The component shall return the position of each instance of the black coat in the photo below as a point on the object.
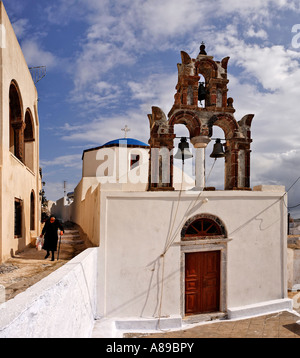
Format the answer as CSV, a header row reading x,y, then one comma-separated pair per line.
x,y
50,234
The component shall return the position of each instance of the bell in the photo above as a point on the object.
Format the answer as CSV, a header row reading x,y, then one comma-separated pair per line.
x,y
218,151
183,150
201,92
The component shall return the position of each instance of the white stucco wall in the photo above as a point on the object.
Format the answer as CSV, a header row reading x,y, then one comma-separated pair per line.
x,y
293,269
134,230
114,162
62,305
17,179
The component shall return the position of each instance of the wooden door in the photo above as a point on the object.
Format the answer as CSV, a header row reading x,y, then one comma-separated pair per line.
x,y
202,282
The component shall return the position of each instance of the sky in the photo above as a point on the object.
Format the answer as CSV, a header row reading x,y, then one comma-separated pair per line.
x,y
109,61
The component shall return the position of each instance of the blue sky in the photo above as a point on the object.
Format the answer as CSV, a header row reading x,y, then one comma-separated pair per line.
x,y
109,62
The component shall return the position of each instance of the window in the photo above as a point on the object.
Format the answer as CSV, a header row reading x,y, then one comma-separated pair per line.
x,y
16,143
134,161
203,227
18,217
29,141
32,211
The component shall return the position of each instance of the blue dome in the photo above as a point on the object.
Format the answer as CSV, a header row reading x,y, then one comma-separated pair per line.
x,y
127,141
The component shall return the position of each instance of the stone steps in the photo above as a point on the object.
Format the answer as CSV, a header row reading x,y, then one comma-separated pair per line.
x,y
72,237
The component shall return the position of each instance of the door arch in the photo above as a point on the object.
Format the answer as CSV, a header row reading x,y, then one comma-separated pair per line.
x,y
203,225
204,262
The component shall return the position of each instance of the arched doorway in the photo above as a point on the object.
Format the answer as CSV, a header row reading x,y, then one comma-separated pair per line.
x,y
204,262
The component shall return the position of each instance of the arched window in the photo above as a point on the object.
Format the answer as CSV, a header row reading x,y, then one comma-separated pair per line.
x,y
32,211
16,123
29,140
202,226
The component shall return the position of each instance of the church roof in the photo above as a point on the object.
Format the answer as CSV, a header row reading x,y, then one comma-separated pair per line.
x,y
129,142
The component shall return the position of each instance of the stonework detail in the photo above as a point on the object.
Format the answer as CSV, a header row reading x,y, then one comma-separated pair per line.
x,y
199,117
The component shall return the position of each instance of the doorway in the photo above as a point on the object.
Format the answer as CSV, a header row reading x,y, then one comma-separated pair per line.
x,y
202,282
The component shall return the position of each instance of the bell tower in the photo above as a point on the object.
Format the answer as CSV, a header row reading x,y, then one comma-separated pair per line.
x,y
201,102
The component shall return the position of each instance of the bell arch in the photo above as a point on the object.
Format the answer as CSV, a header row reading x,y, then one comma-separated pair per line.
x,y
217,111
207,68
189,119
237,150
16,123
226,122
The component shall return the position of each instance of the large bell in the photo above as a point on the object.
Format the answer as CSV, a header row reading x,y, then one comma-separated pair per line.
x,y
218,151
183,150
201,92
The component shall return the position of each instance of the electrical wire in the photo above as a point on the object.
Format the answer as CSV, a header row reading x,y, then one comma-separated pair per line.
x,y
190,207
171,237
295,206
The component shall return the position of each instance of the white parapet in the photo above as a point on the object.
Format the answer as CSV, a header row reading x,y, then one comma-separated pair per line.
x,y
261,308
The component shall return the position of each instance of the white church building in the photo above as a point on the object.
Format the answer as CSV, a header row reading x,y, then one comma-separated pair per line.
x,y
171,251
167,248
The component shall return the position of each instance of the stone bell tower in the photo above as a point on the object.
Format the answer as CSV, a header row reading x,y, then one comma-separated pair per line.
x,y
201,102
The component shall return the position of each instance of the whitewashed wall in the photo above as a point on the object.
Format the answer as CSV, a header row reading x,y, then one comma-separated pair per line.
x,y
293,269
134,230
62,305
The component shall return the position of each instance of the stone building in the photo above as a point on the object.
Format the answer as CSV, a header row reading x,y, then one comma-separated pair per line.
x,y
20,180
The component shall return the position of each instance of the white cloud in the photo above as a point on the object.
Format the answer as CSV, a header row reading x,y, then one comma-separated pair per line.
x,y
102,94
264,76
54,190
261,34
36,56
93,132
155,90
20,27
117,35
66,161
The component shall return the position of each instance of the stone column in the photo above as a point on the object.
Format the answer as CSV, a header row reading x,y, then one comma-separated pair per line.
x,y
200,143
199,168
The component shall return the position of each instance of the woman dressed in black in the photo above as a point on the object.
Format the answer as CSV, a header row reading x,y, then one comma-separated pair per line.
x,y
50,230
